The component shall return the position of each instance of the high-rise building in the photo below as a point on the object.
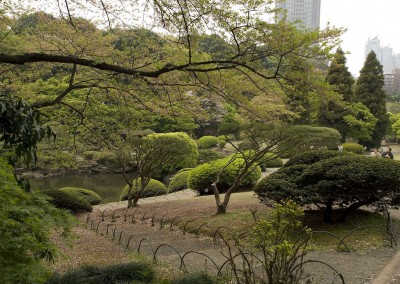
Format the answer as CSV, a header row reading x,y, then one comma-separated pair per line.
x,y
306,11
383,53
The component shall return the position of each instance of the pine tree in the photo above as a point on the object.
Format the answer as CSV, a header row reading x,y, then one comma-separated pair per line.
x,y
332,112
339,76
369,91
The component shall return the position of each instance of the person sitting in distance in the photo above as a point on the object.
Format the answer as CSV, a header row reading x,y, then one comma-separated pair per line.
x,y
375,153
388,153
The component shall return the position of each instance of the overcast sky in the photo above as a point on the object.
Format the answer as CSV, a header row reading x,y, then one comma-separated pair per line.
x,y
363,19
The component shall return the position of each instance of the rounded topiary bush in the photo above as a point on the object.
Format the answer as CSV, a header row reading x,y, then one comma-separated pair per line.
x,y
153,188
201,177
206,142
179,181
311,157
353,147
104,158
221,143
90,196
69,201
207,155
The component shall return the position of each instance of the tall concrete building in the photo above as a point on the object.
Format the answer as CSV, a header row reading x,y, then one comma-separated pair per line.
x,y
383,53
306,11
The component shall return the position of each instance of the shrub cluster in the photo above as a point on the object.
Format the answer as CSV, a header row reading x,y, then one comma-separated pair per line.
x,y
66,200
353,147
153,188
90,196
201,177
179,181
131,272
207,142
208,155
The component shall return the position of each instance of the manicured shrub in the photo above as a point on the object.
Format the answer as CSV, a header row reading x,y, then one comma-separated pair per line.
x,y
180,143
208,155
353,147
201,177
207,142
313,156
90,196
178,182
195,278
221,143
347,180
153,188
118,273
69,201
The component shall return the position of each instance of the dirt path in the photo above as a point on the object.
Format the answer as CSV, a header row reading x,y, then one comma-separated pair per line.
x,y
378,266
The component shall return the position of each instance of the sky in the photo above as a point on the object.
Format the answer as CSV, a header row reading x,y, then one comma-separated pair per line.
x,y
363,19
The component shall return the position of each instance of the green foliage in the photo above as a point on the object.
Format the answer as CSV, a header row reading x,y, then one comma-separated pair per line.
x,y
201,177
89,155
339,76
208,155
90,196
153,188
282,240
183,149
20,126
207,142
353,147
221,143
26,222
178,182
67,200
369,91
308,138
311,157
104,158
347,180
194,278
117,273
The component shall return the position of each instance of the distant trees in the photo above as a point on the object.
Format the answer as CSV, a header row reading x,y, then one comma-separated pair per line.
x,y
369,91
339,110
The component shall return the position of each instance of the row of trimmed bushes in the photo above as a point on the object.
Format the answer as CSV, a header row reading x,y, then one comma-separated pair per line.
x,y
199,179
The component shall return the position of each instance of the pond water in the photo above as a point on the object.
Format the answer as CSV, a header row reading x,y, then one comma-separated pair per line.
x,y
108,186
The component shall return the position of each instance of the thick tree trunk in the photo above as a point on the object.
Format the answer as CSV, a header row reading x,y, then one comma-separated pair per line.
x,y
328,211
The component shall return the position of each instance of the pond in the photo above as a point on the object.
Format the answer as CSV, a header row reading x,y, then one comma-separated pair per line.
x,y
108,186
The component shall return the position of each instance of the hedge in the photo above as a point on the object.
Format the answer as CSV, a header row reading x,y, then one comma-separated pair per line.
x,y
207,142
65,200
201,177
153,188
313,156
179,181
90,196
208,155
353,147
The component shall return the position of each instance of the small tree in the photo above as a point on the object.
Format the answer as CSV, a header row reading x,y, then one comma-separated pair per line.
x,y
347,180
260,138
151,154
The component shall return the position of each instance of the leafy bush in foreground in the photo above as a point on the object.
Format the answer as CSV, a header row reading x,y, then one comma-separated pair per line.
x,y
90,196
194,278
153,188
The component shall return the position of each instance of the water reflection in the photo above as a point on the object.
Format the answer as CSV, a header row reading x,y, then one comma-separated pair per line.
x,y
108,186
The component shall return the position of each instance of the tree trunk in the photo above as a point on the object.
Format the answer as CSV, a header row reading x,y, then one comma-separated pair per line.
x,y
328,211
353,207
221,208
